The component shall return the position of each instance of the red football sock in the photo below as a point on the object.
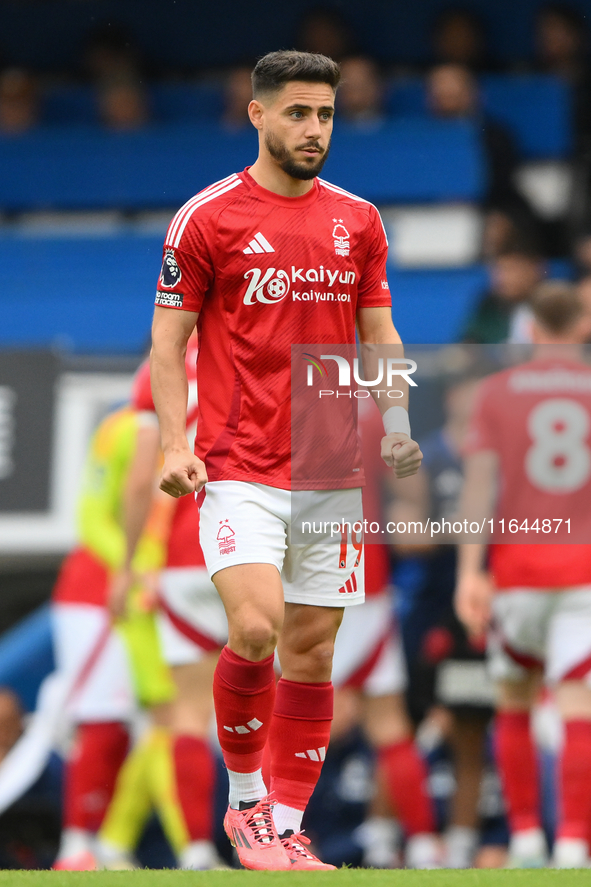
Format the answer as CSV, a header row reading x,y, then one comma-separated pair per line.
x,y
300,731
91,773
244,694
194,769
406,778
575,781
266,765
518,768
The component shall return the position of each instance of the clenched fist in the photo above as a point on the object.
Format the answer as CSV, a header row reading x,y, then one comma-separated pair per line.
x,y
182,473
401,454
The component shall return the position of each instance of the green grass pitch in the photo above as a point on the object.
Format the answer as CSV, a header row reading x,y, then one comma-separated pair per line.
x,y
342,878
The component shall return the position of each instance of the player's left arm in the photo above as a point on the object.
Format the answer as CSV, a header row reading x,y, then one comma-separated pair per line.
x,y
376,330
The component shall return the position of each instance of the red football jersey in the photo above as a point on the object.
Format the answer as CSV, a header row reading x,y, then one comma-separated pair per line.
x,y
82,579
537,418
265,272
377,559
183,543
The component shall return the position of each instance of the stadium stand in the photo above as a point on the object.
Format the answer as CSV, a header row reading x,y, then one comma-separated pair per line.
x,y
411,162
83,295
68,282
536,108
85,312
179,35
91,294
85,168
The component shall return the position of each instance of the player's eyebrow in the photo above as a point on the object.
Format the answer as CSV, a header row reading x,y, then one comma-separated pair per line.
x,y
297,107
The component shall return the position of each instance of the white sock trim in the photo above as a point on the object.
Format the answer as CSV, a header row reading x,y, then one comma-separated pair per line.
x,y
287,818
245,787
75,841
199,856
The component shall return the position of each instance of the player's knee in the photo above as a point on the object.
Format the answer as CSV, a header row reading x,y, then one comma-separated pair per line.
x,y
514,695
316,662
257,638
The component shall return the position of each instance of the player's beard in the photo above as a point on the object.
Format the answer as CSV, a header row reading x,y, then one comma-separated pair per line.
x,y
289,164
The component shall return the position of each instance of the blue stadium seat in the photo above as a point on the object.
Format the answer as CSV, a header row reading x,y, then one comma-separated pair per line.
x,y
176,102
84,295
537,109
408,161
96,295
67,105
405,97
169,103
84,167
432,306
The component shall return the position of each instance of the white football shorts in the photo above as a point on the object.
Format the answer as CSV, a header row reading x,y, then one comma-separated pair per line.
x,y
191,617
549,629
93,657
249,523
368,652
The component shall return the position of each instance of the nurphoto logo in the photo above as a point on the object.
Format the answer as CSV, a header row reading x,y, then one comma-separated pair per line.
x,y
394,366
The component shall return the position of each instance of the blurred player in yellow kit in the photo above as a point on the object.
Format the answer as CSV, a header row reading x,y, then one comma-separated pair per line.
x,y
111,671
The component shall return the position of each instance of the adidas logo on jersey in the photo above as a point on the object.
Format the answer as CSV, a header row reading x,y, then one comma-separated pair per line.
x,y
314,754
350,586
251,727
259,244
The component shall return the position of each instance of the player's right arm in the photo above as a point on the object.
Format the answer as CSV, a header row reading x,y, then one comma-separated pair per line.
x,y
182,472
137,499
474,588
410,504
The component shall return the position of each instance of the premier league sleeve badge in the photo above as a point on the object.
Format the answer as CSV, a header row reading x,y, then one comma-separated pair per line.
x,y
170,274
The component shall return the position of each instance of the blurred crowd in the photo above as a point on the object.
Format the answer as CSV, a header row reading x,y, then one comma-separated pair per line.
x,y
120,78
112,62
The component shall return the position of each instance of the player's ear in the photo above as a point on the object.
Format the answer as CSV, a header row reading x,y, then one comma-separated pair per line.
x,y
256,112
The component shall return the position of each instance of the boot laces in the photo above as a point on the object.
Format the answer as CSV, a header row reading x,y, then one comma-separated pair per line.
x,y
260,822
296,842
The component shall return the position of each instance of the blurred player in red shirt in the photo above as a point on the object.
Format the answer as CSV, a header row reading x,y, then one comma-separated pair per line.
x,y
191,622
264,260
99,666
369,669
530,439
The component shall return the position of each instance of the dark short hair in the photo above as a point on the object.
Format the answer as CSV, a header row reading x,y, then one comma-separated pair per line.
x,y
556,306
275,69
